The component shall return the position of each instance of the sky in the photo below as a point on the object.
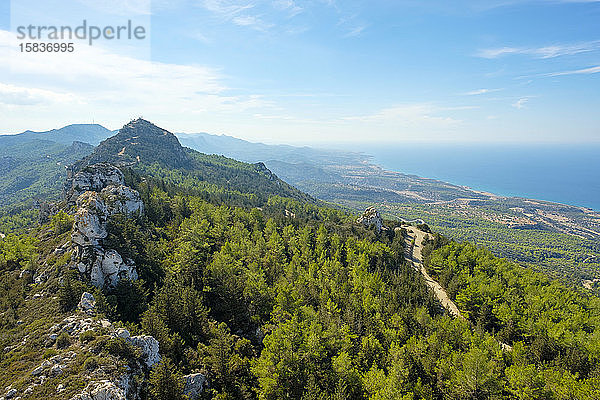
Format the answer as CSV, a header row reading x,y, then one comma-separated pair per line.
x,y
315,71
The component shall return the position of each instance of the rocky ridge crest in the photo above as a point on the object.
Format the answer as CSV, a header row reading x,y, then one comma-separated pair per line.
x,y
99,193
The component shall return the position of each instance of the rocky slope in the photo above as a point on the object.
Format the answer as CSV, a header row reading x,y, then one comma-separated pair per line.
x,y
83,356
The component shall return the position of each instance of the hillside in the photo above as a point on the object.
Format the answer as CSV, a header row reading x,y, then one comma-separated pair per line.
x,y
151,282
34,170
153,151
32,164
140,142
558,239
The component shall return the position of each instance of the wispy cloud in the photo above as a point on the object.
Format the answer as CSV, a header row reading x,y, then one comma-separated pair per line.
x,y
120,7
252,21
520,103
226,9
26,96
480,91
583,71
356,31
63,82
259,15
288,6
541,52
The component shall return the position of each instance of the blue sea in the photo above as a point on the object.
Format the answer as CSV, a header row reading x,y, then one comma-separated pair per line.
x,y
568,174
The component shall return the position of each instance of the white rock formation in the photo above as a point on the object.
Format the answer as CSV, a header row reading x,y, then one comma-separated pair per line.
x,y
370,218
149,347
92,178
101,390
193,385
87,302
104,196
90,221
122,333
122,199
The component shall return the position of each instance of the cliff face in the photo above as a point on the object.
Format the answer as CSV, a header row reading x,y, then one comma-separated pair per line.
x,y
100,193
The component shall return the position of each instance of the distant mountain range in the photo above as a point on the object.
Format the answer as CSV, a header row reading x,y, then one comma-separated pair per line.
x,y
87,133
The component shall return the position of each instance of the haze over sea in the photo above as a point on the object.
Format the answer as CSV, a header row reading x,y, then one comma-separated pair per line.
x,y
568,174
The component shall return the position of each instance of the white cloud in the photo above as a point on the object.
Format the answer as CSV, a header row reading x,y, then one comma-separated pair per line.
x,y
584,71
225,8
520,103
356,31
95,81
252,22
25,96
480,91
541,52
120,7
289,6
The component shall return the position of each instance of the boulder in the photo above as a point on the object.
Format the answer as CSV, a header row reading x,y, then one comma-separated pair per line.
x,y
149,347
10,393
90,220
87,302
122,333
193,385
101,390
104,196
122,200
56,370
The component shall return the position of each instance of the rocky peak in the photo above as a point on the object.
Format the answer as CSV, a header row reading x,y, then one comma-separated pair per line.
x,y
140,141
370,218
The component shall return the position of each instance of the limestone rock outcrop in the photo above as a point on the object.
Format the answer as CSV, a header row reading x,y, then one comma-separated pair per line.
x,y
100,194
102,390
87,304
370,218
93,178
149,347
193,385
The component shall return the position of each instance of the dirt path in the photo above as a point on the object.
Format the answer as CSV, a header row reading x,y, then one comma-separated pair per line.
x,y
415,256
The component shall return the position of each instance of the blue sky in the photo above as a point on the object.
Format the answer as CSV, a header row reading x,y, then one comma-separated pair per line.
x,y
291,71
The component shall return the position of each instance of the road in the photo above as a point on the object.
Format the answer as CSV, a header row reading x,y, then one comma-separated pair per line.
x,y
415,257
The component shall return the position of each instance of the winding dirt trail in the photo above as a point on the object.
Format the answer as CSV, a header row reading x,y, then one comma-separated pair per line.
x,y
415,256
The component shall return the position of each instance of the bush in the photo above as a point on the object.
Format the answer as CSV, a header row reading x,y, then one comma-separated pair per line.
x,y
63,340
120,348
87,336
61,222
90,363
49,353
70,291
166,381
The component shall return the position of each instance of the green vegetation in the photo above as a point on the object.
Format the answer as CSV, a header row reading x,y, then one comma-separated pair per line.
x,y
559,255
552,328
271,295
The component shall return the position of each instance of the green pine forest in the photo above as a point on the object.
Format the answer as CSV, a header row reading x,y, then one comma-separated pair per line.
x,y
274,295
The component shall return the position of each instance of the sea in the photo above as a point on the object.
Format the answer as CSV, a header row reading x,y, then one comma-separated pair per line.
x,y
568,174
